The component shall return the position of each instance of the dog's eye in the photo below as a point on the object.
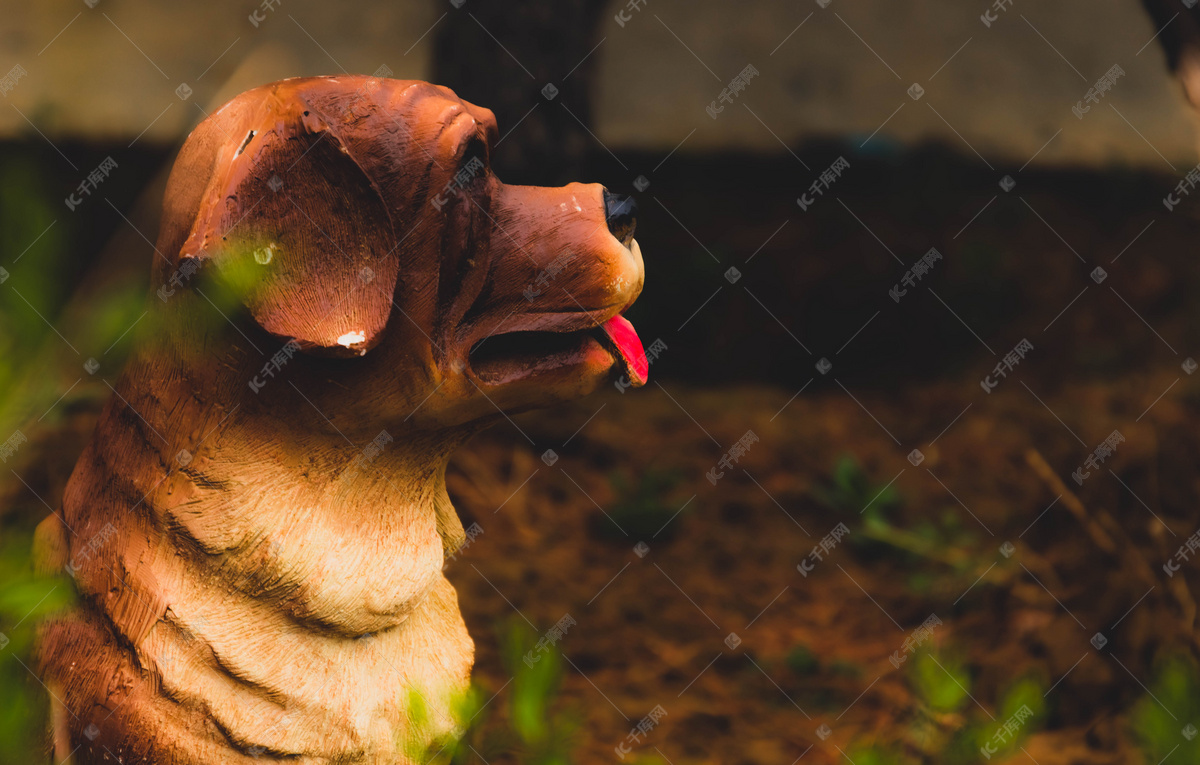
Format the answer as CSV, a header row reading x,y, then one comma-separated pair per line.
x,y
474,158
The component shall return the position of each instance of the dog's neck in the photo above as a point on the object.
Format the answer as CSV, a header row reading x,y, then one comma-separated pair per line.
x,y
276,528
273,493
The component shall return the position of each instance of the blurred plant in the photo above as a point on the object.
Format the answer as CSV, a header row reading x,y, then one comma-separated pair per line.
x,y
803,661
641,507
876,756
32,249
844,668
538,732
947,730
33,246
850,489
944,541
453,740
546,735
36,242
25,598
1024,700
1166,718
941,685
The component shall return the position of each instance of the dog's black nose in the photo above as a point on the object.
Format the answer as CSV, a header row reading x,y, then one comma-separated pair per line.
x,y
620,212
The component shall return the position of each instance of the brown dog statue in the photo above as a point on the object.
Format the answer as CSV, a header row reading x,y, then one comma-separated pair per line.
x,y
343,294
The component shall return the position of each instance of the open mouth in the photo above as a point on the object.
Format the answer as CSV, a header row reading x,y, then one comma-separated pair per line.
x,y
511,355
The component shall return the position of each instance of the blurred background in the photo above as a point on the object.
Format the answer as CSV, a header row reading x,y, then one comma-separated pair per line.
x,y
913,479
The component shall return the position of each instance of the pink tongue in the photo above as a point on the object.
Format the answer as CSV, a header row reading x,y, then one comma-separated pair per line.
x,y
623,335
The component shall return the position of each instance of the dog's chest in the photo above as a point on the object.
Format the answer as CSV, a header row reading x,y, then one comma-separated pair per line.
x,y
354,558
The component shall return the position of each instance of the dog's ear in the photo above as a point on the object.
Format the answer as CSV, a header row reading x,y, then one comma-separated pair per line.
x,y
292,221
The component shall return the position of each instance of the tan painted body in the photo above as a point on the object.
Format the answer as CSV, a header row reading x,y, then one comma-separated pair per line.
x,y
259,524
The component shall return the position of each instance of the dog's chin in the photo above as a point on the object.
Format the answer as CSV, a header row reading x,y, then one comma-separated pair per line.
x,y
571,362
517,357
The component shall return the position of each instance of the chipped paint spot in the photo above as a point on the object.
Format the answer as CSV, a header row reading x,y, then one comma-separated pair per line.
x,y
263,255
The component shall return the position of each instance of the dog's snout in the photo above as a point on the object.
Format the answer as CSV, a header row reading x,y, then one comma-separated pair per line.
x,y
620,211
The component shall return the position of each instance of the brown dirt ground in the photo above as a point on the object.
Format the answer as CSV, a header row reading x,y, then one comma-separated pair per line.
x,y
651,630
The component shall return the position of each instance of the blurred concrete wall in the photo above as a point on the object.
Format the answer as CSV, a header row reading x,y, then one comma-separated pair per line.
x,y
111,71
1004,90
848,67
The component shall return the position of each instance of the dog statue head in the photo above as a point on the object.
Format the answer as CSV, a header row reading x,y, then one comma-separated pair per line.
x,y
361,218
261,571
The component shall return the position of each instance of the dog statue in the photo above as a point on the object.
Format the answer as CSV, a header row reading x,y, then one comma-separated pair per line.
x,y
343,294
